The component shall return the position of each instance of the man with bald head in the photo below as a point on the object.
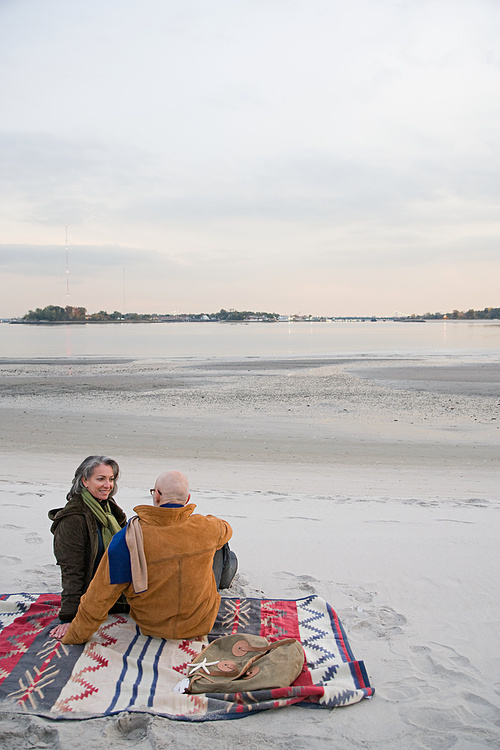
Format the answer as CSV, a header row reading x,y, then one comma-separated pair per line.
x,y
171,484
169,562
174,486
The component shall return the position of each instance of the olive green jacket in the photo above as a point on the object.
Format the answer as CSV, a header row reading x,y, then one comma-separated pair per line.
x,y
76,547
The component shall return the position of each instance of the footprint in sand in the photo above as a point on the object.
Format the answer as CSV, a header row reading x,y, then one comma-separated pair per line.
x,y
442,662
402,690
359,594
441,726
437,670
481,707
15,729
430,669
240,587
373,622
45,573
33,538
6,560
303,583
139,728
132,727
11,526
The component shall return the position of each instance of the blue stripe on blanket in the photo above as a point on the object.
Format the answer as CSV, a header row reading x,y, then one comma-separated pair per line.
x,y
121,677
140,670
154,681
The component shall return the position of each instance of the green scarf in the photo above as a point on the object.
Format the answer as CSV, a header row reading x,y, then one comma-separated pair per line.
x,y
109,524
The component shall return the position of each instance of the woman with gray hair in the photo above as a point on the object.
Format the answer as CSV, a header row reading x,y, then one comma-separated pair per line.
x,y
84,528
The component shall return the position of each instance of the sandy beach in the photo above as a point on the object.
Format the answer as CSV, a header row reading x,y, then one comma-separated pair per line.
x,y
372,482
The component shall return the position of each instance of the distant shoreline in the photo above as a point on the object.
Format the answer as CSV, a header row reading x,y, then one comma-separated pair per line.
x,y
344,319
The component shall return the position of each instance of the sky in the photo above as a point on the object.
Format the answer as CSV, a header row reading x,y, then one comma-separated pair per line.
x,y
315,157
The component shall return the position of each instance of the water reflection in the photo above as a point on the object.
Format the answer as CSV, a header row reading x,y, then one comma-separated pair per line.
x,y
287,339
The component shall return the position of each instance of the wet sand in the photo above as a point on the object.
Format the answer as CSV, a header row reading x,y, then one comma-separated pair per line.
x,y
346,427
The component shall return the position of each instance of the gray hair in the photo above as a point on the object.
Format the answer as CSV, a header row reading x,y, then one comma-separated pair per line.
x,y
85,471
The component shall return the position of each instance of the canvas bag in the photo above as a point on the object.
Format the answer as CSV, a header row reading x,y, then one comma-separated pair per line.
x,y
242,662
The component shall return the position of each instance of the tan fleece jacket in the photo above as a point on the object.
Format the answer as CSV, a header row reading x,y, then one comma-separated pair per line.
x,y
182,599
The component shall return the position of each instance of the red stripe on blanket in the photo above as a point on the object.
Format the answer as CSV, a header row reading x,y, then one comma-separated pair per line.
x,y
278,619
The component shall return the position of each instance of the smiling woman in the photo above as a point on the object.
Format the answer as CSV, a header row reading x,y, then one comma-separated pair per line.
x,y
84,528
101,482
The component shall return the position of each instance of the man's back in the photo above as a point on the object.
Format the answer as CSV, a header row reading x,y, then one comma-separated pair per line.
x,y
181,599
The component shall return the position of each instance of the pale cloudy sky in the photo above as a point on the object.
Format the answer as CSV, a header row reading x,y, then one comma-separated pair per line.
x,y
314,156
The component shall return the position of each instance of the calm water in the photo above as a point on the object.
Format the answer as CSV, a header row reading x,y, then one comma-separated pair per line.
x,y
458,339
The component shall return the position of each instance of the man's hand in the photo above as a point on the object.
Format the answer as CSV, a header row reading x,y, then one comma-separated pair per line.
x,y
60,631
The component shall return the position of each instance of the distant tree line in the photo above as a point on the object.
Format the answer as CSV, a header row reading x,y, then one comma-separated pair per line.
x,y
242,315
489,313
56,314
69,314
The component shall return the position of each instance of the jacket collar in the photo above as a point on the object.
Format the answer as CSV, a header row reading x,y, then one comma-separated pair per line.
x,y
164,516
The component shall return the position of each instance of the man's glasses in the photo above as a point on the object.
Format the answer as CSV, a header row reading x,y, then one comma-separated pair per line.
x,y
152,492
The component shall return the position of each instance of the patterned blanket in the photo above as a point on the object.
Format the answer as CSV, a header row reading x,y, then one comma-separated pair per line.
x,y
122,670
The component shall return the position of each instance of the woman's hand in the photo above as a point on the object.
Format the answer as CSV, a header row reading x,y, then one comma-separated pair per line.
x,y
60,630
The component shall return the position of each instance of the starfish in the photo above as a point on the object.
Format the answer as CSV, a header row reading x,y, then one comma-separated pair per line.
x,y
202,665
